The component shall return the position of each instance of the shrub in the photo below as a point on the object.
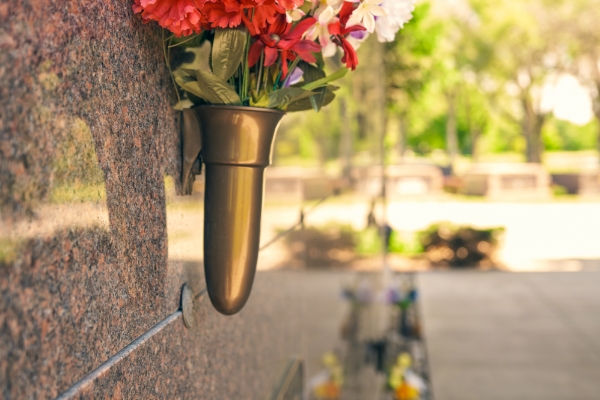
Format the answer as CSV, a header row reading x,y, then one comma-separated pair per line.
x,y
459,246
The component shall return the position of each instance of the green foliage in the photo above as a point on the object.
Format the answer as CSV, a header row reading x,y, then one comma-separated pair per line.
x,y
227,52
368,242
410,58
339,74
400,244
564,135
558,190
227,79
282,97
486,59
208,87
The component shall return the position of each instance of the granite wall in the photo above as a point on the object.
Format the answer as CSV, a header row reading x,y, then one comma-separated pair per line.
x,y
92,233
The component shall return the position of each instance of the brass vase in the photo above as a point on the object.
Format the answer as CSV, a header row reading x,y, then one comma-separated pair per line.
x,y
236,148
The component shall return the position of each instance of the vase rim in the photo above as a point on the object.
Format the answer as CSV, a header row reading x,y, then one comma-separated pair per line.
x,y
239,108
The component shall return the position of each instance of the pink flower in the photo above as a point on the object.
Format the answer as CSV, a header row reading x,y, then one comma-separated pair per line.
x,y
182,17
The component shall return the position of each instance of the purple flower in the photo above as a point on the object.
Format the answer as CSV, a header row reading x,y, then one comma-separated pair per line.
x,y
360,35
295,77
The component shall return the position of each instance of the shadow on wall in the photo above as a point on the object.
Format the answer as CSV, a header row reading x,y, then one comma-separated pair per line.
x,y
88,135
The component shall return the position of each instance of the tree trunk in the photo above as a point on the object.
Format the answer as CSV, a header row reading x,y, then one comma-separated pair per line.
x,y
596,107
475,134
346,140
532,129
402,135
474,129
451,129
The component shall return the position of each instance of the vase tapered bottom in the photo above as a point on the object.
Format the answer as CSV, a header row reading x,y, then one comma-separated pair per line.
x,y
233,209
236,148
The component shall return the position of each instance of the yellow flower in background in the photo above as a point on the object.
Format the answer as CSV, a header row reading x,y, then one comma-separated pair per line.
x,y
396,377
404,360
327,391
407,392
336,370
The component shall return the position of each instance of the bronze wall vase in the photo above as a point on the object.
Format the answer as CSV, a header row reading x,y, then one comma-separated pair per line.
x,y
236,148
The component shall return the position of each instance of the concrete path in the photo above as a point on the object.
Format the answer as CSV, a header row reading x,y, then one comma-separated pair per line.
x,y
510,336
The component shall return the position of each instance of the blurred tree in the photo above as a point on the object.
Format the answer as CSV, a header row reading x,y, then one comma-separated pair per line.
x,y
525,42
410,66
584,47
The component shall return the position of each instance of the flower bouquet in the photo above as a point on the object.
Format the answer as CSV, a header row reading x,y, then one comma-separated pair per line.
x,y
271,53
267,57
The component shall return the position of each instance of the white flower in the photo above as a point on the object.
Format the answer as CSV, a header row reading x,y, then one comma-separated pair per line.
x,y
294,15
365,14
330,50
325,16
398,12
335,3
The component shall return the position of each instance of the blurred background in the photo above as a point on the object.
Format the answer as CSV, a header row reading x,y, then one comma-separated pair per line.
x,y
467,152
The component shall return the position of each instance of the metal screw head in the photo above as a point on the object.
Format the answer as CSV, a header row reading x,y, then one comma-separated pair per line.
x,y
187,306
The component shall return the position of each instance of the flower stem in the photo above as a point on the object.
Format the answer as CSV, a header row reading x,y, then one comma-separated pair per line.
x,y
240,78
246,70
266,80
166,53
185,41
259,74
276,85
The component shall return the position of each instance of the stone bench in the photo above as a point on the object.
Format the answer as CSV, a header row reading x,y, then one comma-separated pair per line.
x,y
401,180
297,184
507,181
585,183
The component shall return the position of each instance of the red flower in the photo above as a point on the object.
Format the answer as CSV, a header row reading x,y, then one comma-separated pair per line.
x,y
291,4
223,14
265,14
350,57
340,32
346,11
279,36
182,17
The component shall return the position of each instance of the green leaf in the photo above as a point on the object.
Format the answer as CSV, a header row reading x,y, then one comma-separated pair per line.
x,y
340,73
183,104
187,71
212,89
317,100
262,101
311,73
305,104
182,78
319,56
208,87
227,51
283,97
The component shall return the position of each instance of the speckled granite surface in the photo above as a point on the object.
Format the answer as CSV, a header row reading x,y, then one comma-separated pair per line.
x,y
87,137
235,357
